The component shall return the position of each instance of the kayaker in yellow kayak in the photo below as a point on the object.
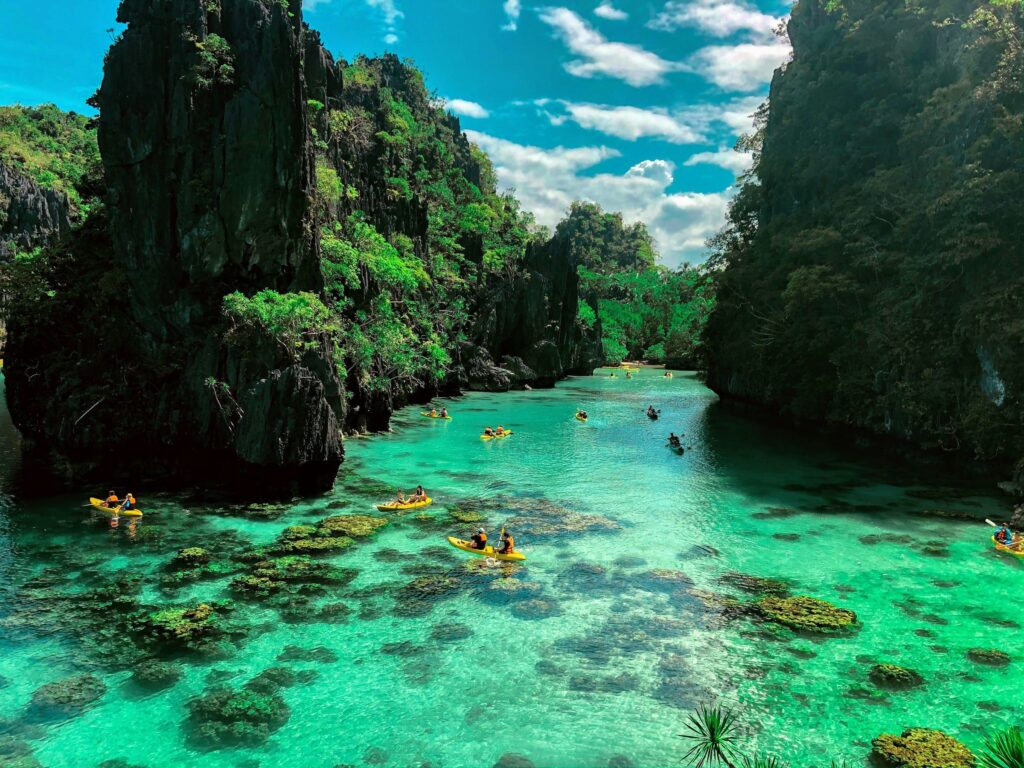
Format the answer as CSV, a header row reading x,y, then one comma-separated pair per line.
x,y
508,543
443,413
128,503
499,431
479,540
418,495
1006,537
488,432
111,501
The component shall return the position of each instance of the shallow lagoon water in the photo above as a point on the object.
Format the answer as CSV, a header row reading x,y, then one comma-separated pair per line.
x,y
607,638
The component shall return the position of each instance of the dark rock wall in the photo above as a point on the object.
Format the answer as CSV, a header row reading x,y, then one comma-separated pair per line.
x,y
30,215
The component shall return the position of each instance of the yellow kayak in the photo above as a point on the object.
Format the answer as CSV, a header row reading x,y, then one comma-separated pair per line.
x,y
581,418
487,551
393,506
1007,550
495,437
432,416
98,504
668,375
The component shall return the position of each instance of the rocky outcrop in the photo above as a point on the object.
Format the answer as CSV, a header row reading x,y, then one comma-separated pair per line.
x,y
208,166
873,275
30,215
531,320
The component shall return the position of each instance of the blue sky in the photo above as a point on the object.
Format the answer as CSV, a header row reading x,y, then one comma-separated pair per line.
x,y
634,104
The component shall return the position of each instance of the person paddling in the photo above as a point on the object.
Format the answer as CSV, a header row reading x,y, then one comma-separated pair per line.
x,y
508,543
488,432
419,494
479,540
1005,537
128,503
111,501
444,413
673,440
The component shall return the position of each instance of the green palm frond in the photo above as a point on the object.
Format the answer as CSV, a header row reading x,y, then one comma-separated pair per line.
x,y
712,731
1003,750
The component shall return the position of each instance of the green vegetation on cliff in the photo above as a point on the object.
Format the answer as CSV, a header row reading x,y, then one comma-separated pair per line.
x,y
55,149
646,311
872,269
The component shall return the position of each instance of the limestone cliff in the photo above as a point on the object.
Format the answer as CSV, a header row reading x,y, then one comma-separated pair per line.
x,y
873,263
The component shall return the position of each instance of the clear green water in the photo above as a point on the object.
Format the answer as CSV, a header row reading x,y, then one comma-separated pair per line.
x,y
628,653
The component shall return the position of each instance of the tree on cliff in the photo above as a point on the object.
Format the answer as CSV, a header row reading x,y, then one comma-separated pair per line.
x,y
646,310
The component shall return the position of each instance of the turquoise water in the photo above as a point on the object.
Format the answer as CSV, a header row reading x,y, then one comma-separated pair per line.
x,y
597,646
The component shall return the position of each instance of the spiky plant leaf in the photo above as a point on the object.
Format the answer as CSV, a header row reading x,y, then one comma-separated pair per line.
x,y
712,731
1003,750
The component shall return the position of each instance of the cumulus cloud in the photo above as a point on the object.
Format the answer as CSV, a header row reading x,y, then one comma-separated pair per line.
x,y
466,108
389,9
600,56
743,67
513,8
729,159
547,181
608,11
629,123
718,18
694,124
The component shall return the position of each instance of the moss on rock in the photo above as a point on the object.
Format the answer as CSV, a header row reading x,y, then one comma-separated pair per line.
x,y
353,526
229,718
921,748
894,678
807,614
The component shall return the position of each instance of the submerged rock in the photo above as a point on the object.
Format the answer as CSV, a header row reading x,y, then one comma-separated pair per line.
x,y
319,654
513,760
894,678
756,585
806,613
989,657
921,748
67,697
156,675
536,608
228,718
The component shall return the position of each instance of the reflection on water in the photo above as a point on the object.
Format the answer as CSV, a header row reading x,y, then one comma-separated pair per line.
x,y
400,650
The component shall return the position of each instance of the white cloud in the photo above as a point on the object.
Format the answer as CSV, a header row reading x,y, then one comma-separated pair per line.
x,y
512,10
719,18
630,123
599,56
391,14
310,5
466,108
743,67
608,11
730,159
547,181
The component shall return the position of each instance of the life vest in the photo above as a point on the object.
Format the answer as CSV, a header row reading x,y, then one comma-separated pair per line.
x,y
480,540
1003,536
510,543
112,499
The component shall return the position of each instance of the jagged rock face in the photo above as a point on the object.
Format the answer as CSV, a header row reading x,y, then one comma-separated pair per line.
x,y
30,215
533,318
208,163
209,171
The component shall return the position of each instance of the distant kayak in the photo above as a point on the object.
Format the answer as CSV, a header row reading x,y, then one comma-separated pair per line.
x,y
432,416
652,416
392,506
677,449
487,551
668,374
98,504
495,437
581,418
1007,550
